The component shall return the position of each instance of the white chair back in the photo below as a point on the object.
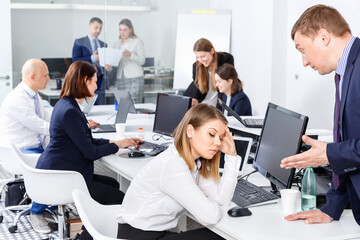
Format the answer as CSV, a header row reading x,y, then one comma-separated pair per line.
x,y
50,187
10,163
99,220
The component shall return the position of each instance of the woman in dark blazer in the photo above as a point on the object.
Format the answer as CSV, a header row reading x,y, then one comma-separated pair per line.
x,y
203,89
230,85
72,146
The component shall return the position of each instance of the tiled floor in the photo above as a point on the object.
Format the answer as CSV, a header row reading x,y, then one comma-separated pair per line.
x,y
24,230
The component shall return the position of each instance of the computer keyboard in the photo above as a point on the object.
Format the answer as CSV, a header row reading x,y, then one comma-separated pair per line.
x,y
248,194
254,121
151,149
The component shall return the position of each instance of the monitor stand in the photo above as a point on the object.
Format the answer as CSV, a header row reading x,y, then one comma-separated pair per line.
x,y
274,189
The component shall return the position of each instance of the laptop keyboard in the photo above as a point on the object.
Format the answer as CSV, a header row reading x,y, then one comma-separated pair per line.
x,y
151,149
247,194
107,127
254,121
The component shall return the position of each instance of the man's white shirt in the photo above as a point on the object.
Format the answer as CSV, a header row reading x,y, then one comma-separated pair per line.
x,y
18,120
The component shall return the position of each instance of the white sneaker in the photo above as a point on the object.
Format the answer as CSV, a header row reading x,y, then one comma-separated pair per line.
x,y
39,223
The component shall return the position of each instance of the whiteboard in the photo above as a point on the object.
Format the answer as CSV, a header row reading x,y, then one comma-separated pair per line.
x,y
192,25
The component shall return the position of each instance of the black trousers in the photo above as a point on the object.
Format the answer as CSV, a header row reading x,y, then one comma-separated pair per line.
x,y
125,231
104,190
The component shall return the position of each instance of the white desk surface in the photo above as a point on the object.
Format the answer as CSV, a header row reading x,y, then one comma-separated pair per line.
x,y
266,222
105,114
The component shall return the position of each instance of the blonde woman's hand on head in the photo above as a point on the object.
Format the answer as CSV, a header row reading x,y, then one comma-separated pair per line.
x,y
228,145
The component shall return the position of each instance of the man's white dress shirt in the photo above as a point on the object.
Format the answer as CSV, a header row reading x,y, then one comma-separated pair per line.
x,y
18,120
165,188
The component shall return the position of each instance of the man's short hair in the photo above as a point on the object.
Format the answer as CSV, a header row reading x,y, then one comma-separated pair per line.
x,y
95,19
320,17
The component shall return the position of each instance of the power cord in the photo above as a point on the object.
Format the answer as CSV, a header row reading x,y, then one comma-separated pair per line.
x,y
157,137
247,175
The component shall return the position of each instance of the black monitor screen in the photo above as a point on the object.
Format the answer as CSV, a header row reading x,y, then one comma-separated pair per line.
x,y
57,66
280,138
170,109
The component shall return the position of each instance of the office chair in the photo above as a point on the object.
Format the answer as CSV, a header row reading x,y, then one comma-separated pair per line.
x,y
99,220
11,165
50,187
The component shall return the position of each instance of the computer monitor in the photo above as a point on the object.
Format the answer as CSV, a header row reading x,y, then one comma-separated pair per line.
x,y
149,62
57,66
280,137
170,109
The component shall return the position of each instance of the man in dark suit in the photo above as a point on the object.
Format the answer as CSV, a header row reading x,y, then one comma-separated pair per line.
x,y
325,42
86,49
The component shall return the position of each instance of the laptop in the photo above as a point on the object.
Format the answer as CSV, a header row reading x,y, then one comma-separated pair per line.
x,y
243,146
123,94
88,104
247,122
121,116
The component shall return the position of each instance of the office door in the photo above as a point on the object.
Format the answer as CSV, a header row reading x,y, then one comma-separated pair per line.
x,y
5,50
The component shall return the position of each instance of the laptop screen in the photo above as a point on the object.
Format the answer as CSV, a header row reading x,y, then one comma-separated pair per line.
x,y
243,146
124,94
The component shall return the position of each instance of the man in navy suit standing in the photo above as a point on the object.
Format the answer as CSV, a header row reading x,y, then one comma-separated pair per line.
x,y
325,42
86,49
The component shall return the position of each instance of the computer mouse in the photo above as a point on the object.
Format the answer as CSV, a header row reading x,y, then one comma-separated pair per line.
x,y
136,154
239,212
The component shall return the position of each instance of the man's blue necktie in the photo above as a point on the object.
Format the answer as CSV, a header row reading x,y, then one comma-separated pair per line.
x,y
336,130
97,66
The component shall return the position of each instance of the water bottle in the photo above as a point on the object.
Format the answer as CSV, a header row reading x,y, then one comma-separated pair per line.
x,y
140,133
116,105
308,190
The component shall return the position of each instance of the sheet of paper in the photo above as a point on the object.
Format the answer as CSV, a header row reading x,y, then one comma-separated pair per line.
x,y
109,56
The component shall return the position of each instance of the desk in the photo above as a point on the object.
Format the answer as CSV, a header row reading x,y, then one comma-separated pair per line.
x,y
267,222
238,128
105,114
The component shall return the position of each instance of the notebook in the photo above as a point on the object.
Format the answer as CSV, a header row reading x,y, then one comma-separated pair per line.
x,y
121,116
248,122
243,146
123,94
88,104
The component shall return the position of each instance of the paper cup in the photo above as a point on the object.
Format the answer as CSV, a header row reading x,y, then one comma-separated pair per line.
x,y
288,200
120,130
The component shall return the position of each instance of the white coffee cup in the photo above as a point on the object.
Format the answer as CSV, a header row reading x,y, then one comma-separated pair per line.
x,y
120,130
288,200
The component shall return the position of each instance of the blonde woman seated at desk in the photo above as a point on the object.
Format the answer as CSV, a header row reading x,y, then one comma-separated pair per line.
x,y
130,75
185,177
227,82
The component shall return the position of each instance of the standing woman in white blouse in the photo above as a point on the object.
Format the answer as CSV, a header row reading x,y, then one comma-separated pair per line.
x,y
185,177
130,75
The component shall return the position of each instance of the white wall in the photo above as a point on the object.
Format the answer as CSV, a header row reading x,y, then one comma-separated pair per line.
x,y
251,45
271,67
312,94
51,33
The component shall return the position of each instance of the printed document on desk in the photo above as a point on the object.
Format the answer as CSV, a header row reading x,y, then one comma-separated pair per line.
x,y
109,56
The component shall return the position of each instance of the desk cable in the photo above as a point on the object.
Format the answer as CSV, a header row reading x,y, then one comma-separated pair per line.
x,y
111,117
247,175
157,137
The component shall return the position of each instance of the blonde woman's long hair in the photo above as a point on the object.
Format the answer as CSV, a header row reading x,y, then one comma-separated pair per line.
x,y
202,72
197,116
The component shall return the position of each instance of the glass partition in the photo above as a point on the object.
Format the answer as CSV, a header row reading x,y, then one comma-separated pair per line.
x,y
48,29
